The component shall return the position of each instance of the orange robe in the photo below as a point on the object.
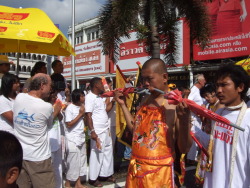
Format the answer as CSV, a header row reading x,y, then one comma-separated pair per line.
x,y
151,163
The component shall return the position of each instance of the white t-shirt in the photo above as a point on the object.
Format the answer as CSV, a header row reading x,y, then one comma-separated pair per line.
x,y
76,132
97,106
196,97
54,132
223,134
31,119
5,106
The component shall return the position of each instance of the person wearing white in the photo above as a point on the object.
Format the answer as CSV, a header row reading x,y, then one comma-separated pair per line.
x,y
229,146
31,119
101,155
55,139
8,91
6,106
195,120
112,115
76,145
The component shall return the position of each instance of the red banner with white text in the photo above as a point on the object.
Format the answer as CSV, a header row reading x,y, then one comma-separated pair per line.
x,y
230,26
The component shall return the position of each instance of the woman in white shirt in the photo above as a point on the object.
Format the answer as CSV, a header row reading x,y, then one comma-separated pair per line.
x,y
9,89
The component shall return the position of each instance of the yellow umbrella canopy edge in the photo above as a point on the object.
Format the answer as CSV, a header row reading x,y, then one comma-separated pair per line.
x,y
33,30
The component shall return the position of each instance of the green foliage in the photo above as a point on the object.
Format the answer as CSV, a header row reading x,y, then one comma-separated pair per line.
x,y
119,17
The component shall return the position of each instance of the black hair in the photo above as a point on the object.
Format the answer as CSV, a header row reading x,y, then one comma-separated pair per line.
x,y
54,63
237,74
76,94
7,82
157,64
35,83
11,153
37,67
94,81
208,88
108,80
58,82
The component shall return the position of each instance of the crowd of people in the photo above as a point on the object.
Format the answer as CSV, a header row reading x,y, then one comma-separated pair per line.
x,y
43,130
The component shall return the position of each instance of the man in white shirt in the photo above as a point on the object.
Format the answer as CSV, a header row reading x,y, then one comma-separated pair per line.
x,y
31,119
101,155
230,151
195,96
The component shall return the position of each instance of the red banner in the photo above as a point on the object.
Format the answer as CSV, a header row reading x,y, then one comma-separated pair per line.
x,y
230,30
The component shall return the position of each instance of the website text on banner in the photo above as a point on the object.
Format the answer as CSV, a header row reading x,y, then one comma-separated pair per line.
x,y
230,24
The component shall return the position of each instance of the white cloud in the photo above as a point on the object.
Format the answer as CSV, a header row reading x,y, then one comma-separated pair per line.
x,y
60,12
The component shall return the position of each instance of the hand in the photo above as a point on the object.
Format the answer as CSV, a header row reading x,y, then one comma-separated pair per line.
x,y
82,110
243,17
98,144
57,107
67,92
119,97
183,112
98,141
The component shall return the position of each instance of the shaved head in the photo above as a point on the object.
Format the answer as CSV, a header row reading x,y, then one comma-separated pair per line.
x,y
156,64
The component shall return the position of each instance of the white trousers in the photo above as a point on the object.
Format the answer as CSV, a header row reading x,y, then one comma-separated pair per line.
x,y
56,158
193,152
76,162
101,162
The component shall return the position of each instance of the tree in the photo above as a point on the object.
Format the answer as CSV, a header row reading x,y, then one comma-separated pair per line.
x,y
154,20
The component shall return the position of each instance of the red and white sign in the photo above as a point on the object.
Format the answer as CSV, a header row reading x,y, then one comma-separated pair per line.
x,y
131,51
230,30
89,60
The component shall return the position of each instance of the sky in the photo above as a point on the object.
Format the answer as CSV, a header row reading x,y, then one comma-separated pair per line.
x,y
60,11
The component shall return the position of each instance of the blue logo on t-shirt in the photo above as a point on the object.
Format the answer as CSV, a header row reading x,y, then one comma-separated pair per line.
x,y
24,115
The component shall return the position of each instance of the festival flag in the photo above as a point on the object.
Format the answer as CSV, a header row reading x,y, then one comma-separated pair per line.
x,y
123,133
120,119
105,84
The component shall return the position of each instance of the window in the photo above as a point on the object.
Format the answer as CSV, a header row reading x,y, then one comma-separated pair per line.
x,y
97,34
93,35
88,37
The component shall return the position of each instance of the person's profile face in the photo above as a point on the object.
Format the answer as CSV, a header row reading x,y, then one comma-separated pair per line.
x,y
202,81
47,89
16,86
210,97
82,98
100,87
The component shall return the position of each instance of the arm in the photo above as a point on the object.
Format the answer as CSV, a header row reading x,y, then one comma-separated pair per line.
x,y
67,94
109,104
128,117
57,109
184,139
93,134
8,116
77,118
244,11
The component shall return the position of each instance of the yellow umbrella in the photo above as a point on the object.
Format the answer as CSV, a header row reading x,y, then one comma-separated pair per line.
x,y
245,63
31,30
